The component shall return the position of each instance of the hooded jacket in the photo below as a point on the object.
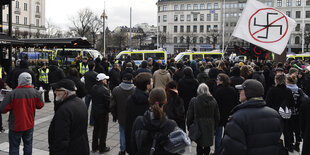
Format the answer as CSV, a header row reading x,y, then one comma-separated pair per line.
x,y
137,104
119,99
143,131
161,78
22,103
12,79
187,88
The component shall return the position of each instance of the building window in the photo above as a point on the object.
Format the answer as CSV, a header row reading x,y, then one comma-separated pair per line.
x,y
188,18
297,14
201,40
176,7
175,29
182,7
37,9
164,29
216,5
216,17
25,6
208,28
202,6
288,3
181,39
195,18
202,17
201,28
165,18
188,28
215,27
195,28
175,18
307,14
165,8
288,13
158,19
188,6
182,18
308,2
297,28
208,17
307,27
17,19
37,22
298,2
25,21
17,4
175,40
194,40
195,6
158,8
209,6
279,3
297,40
181,28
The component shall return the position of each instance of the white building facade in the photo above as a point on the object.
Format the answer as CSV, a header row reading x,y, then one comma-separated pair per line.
x,y
28,18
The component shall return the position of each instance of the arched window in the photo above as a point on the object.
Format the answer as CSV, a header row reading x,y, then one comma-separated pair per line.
x,y
297,40
181,39
175,40
201,40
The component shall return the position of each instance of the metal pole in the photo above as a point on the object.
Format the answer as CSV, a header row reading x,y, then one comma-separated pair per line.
x,y
223,27
303,28
1,18
290,41
10,32
130,41
104,35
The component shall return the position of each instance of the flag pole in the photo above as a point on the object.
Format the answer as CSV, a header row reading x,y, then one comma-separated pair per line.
x,y
223,27
303,28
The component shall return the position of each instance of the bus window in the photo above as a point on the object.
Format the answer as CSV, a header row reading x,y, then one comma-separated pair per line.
x,y
155,56
306,58
298,58
68,53
86,54
136,56
197,56
123,57
214,56
186,58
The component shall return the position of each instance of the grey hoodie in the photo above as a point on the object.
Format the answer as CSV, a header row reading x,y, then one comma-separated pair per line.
x,y
24,79
126,86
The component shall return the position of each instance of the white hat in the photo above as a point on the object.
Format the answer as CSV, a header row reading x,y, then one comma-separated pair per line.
x,y
102,76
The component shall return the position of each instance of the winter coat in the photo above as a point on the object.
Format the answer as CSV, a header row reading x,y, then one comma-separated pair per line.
x,y
236,80
56,74
141,70
143,131
120,95
227,99
279,96
100,99
202,77
187,88
296,96
90,80
259,76
178,75
306,84
174,109
99,68
253,129
208,117
115,78
305,126
128,70
137,104
80,86
67,133
12,79
161,78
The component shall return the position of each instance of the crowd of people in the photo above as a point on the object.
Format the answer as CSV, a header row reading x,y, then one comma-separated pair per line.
x,y
240,107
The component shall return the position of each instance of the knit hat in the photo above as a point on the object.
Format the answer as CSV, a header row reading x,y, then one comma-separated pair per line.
x,y
241,64
252,88
64,83
292,70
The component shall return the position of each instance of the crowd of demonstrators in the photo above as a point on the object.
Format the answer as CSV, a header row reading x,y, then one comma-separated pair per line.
x,y
230,96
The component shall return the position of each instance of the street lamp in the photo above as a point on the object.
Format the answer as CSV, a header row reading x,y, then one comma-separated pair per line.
x,y
104,17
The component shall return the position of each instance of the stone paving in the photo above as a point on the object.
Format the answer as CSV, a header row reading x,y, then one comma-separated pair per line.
x,y
40,135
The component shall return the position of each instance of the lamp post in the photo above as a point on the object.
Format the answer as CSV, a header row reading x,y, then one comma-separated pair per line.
x,y
104,17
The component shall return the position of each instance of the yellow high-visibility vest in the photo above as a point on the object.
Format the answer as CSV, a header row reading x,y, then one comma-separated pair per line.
x,y
1,72
83,69
43,75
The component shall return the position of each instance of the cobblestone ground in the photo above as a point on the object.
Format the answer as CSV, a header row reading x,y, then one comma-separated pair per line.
x,y
40,136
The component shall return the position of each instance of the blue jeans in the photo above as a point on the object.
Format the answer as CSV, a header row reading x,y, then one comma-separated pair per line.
x,y
14,140
122,138
87,102
218,139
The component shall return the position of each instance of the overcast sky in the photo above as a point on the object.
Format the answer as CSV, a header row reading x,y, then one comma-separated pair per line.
x,y
143,11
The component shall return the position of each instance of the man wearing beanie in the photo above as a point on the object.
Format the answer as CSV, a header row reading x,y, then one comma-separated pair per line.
x,y
22,103
253,128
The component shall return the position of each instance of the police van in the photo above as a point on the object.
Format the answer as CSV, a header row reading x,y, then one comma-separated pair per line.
x,y
139,55
69,56
303,56
189,56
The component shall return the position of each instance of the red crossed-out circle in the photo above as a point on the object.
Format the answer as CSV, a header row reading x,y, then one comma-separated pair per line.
x,y
253,33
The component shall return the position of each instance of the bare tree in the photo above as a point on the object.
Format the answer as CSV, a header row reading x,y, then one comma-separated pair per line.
x,y
81,23
52,30
120,39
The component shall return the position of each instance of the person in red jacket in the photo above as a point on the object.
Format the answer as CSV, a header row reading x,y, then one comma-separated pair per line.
x,y
22,103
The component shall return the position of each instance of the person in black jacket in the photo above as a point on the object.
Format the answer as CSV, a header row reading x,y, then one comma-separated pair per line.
x,y
235,78
178,75
305,124
153,122
174,108
213,72
253,128
143,68
187,87
281,96
73,75
115,74
100,112
137,103
227,98
56,74
99,68
67,133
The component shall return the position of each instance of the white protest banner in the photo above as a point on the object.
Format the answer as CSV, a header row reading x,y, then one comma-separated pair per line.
x,y
264,26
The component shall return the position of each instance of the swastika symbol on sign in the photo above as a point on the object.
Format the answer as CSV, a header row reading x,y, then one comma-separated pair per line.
x,y
267,26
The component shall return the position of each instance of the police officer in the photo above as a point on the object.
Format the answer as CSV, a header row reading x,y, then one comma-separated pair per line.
x,y
83,66
43,79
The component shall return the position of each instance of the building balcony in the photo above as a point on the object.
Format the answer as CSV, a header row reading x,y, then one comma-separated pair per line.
x,y
17,11
38,15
